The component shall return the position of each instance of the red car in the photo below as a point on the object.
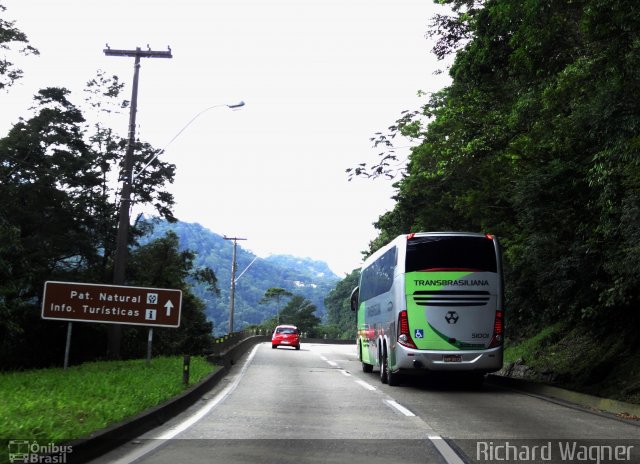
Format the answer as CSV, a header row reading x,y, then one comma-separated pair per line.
x,y
286,335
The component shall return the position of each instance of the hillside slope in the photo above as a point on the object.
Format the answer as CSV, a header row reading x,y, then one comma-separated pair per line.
x,y
303,276
573,357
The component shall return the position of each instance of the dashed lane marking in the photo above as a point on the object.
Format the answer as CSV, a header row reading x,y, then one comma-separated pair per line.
x,y
366,385
399,407
448,453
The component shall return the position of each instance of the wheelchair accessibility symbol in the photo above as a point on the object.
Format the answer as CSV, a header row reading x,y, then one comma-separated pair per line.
x,y
419,333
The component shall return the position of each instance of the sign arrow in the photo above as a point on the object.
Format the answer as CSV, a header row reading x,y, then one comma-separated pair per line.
x,y
168,305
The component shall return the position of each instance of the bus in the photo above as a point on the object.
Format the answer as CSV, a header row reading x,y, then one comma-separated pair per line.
x,y
431,301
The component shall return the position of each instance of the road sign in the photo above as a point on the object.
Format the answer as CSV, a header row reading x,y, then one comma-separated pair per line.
x,y
111,304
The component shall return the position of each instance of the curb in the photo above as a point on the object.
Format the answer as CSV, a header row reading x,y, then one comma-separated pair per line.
x,y
105,440
620,408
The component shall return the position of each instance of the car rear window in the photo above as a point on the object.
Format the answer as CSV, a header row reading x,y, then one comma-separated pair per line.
x,y
450,252
286,330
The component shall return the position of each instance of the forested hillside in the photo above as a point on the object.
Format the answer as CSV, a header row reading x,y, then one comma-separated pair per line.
x,y
536,140
301,276
339,313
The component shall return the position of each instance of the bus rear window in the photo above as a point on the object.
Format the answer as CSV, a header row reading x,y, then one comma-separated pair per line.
x,y
450,253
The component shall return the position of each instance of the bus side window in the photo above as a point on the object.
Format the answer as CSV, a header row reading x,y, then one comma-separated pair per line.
x,y
354,298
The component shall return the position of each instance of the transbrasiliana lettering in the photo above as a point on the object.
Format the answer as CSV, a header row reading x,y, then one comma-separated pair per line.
x,y
451,283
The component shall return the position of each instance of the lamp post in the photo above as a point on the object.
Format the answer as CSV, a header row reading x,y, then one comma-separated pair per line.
x,y
233,106
120,258
233,281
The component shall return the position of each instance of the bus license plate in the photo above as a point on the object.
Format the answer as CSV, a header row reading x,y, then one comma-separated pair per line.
x,y
452,358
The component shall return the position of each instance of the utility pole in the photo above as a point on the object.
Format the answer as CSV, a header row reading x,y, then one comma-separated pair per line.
x,y
120,258
233,281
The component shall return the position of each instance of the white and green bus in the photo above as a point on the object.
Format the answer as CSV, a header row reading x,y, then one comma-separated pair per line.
x,y
431,301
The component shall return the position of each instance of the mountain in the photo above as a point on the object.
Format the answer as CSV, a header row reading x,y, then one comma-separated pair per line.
x,y
302,276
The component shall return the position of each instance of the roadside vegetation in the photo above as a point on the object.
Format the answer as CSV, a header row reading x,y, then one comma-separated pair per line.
x,y
58,405
59,167
536,141
297,311
568,356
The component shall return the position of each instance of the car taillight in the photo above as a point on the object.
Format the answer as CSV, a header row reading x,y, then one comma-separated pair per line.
x,y
404,337
498,329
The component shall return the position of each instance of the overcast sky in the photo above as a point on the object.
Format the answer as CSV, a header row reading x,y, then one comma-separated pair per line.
x,y
319,78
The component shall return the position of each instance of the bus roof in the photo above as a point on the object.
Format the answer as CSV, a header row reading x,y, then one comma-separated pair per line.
x,y
405,237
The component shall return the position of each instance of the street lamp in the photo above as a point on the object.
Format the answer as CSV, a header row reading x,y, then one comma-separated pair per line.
x,y
120,257
233,106
232,296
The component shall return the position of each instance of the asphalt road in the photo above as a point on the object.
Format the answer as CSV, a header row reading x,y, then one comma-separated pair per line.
x,y
316,405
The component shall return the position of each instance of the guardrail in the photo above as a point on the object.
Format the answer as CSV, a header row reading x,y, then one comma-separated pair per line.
x,y
227,350
224,343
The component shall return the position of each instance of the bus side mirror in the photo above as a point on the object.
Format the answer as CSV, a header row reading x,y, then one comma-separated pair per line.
x,y
355,294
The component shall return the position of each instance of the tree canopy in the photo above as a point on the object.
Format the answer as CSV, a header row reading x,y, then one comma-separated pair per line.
x,y
58,182
13,40
300,312
275,293
337,302
536,140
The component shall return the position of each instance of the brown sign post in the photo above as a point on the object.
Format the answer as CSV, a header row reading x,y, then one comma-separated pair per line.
x,y
111,304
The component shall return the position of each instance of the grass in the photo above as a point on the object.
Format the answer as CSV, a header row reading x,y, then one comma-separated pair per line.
x,y
572,358
58,405
530,348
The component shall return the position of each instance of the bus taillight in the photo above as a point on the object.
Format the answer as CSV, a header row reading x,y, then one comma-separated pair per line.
x,y
498,329
404,337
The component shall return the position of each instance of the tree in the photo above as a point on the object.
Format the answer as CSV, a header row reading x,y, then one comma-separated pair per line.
x,y
46,216
11,37
48,190
160,264
275,293
300,312
535,140
338,304
57,217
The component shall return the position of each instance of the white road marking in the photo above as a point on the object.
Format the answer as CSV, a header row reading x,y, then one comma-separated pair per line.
x,y
184,425
399,407
445,450
364,384
331,363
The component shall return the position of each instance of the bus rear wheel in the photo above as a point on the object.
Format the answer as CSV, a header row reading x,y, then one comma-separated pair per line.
x,y
386,376
368,368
